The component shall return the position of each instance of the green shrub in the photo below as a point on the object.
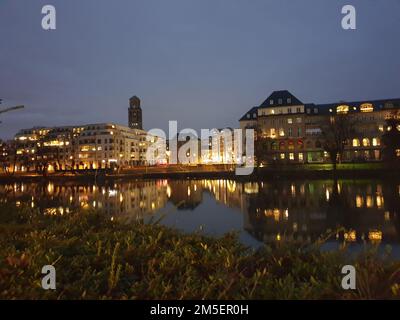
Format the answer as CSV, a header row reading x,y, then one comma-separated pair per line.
x,y
97,258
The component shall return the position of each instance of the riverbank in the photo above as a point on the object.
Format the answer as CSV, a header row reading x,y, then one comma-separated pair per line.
x,y
307,171
97,257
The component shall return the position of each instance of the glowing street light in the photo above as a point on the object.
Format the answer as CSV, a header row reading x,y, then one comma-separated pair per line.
x,y
10,108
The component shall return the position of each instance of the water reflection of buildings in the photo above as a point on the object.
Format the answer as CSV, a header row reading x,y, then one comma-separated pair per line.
x,y
185,194
136,198
272,211
304,211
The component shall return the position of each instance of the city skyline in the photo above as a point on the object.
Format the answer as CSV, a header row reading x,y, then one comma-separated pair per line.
x,y
202,64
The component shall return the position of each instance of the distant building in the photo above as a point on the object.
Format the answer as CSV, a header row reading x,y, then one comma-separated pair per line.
x,y
293,128
135,113
91,146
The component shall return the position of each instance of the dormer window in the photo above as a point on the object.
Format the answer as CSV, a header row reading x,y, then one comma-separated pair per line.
x,y
254,115
342,109
289,100
248,116
279,101
367,107
315,110
271,102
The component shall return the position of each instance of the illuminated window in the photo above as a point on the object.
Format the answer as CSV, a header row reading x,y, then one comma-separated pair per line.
x,y
272,111
366,142
281,132
376,142
359,201
366,107
369,202
291,156
342,109
356,143
290,121
282,156
301,157
380,128
272,132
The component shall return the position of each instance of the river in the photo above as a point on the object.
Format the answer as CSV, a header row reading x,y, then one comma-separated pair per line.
x,y
261,212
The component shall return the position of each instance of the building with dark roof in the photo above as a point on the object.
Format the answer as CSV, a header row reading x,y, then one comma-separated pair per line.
x,y
293,128
135,114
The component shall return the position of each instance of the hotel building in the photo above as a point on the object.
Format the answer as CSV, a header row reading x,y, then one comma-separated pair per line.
x,y
293,129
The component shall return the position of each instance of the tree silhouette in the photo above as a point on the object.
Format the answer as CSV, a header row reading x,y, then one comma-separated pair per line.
x,y
337,130
391,139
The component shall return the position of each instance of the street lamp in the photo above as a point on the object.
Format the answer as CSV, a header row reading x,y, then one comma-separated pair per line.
x,y
10,108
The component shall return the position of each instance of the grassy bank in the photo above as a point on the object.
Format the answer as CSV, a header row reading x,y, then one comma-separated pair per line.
x,y
99,258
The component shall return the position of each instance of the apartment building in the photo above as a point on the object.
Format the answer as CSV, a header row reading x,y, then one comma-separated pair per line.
x,y
293,129
91,146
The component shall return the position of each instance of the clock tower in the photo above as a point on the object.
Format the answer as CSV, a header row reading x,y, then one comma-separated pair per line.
x,y
135,113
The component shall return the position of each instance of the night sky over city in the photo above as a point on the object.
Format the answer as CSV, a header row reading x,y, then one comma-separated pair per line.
x,y
202,63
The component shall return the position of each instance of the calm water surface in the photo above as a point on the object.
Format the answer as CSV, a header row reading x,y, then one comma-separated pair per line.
x,y
261,212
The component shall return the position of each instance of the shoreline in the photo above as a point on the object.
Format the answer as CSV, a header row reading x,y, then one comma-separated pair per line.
x,y
270,173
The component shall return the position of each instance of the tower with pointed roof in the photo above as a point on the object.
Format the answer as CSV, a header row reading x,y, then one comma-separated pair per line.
x,y
135,113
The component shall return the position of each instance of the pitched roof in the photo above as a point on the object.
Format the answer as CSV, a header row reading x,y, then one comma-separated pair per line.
x,y
249,115
280,98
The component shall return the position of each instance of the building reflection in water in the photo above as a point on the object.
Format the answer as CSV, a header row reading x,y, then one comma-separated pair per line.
x,y
272,211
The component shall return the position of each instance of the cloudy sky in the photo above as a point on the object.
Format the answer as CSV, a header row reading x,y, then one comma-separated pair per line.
x,y
201,62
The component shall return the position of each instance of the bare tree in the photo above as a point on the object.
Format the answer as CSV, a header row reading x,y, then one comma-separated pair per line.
x,y
337,130
261,146
391,138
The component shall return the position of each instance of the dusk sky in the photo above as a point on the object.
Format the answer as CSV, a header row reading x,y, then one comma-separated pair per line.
x,y
201,62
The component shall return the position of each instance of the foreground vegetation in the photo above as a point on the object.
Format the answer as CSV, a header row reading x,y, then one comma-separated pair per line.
x,y
101,258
